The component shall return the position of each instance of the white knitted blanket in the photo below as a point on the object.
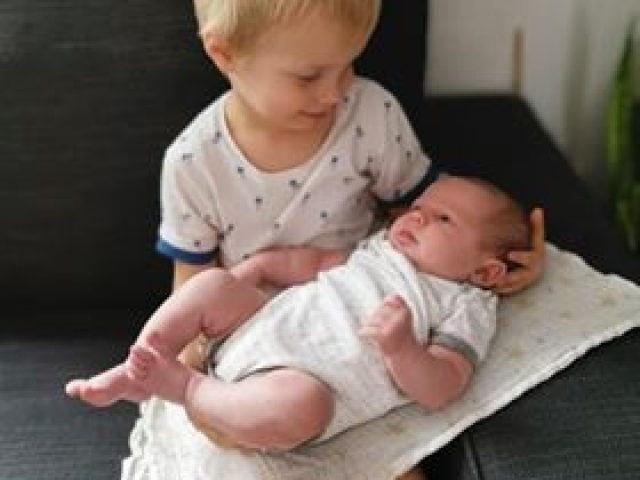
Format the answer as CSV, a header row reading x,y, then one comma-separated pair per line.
x,y
570,310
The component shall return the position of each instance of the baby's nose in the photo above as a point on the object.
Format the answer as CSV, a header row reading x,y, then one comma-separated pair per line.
x,y
419,217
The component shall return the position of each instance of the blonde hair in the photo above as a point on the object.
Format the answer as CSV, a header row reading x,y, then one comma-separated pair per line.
x,y
241,22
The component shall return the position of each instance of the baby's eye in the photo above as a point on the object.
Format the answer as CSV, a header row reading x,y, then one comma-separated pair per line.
x,y
444,218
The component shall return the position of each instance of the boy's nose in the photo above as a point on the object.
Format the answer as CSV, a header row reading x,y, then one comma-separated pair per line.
x,y
333,90
331,93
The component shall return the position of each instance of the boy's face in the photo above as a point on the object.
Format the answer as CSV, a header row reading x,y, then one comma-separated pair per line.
x,y
296,74
442,232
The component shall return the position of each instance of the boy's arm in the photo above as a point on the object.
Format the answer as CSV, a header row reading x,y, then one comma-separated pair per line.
x,y
184,271
283,267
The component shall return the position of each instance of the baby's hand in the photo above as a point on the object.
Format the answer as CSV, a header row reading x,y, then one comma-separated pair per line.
x,y
390,326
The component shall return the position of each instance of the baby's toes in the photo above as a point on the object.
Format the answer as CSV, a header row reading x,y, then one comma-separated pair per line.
x,y
139,361
74,388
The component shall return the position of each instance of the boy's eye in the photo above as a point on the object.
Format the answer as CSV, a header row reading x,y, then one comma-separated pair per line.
x,y
444,218
309,78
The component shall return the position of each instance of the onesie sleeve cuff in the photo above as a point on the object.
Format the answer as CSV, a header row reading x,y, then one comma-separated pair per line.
x,y
458,345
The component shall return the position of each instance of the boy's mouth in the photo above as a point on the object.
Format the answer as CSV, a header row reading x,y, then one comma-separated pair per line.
x,y
315,114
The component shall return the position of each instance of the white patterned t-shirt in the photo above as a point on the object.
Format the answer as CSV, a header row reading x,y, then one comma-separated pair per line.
x,y
216,204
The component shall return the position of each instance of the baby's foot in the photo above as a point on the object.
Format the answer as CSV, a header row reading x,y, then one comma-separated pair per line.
x,y
164,377
106,388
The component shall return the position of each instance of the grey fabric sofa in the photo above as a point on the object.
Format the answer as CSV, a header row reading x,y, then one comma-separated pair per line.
x,y
91,93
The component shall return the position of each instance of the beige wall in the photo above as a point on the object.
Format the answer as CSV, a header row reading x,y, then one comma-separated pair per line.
x,y
569,54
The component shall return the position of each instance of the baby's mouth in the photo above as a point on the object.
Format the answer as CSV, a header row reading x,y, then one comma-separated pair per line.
x,y
403,237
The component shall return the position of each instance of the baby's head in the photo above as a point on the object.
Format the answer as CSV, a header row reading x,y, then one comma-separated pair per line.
x,y
462,229
242,22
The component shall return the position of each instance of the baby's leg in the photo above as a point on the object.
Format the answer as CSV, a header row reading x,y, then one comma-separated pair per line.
x,y
107,388
276,410
213,302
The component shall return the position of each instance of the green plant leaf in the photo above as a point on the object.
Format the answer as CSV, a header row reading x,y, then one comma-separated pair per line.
x,y
622,143
633,238
618,124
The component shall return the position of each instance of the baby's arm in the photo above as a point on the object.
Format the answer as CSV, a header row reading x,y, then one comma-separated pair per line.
x,y
430,375
283,267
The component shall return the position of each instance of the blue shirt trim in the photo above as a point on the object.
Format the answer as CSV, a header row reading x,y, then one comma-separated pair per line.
x,y
170,251
405,200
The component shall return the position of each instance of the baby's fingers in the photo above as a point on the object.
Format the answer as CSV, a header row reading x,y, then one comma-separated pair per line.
x,y
370,330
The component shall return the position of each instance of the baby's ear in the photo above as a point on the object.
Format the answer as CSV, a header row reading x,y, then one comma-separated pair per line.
x,y
489,274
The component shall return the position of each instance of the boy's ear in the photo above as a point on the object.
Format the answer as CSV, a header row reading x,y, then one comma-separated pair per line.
x,y
489,274
218,51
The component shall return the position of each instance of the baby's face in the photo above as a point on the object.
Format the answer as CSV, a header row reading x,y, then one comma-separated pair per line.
x,y
442,232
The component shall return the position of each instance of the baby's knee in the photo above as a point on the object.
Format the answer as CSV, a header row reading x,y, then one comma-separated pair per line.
x,y
215,288
305,408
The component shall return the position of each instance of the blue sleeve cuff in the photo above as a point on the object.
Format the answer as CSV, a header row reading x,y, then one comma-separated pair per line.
x,y
174,253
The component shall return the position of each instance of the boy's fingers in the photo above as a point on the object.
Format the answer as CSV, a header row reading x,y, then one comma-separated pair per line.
x,y
537,225
513,281
522,257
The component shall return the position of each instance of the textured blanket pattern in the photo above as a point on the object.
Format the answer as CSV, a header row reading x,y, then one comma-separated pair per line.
x,y
570,310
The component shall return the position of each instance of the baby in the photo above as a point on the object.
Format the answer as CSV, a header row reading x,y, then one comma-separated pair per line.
x,y
404,318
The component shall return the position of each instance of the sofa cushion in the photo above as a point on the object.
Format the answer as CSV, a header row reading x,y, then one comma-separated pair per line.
x,y
583,423
91,95
44,434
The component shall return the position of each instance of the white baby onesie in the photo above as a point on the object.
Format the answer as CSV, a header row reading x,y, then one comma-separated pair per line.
x,y
315,328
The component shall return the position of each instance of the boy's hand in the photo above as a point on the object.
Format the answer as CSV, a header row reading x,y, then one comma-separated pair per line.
x,y
531,261
193,354
390,326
